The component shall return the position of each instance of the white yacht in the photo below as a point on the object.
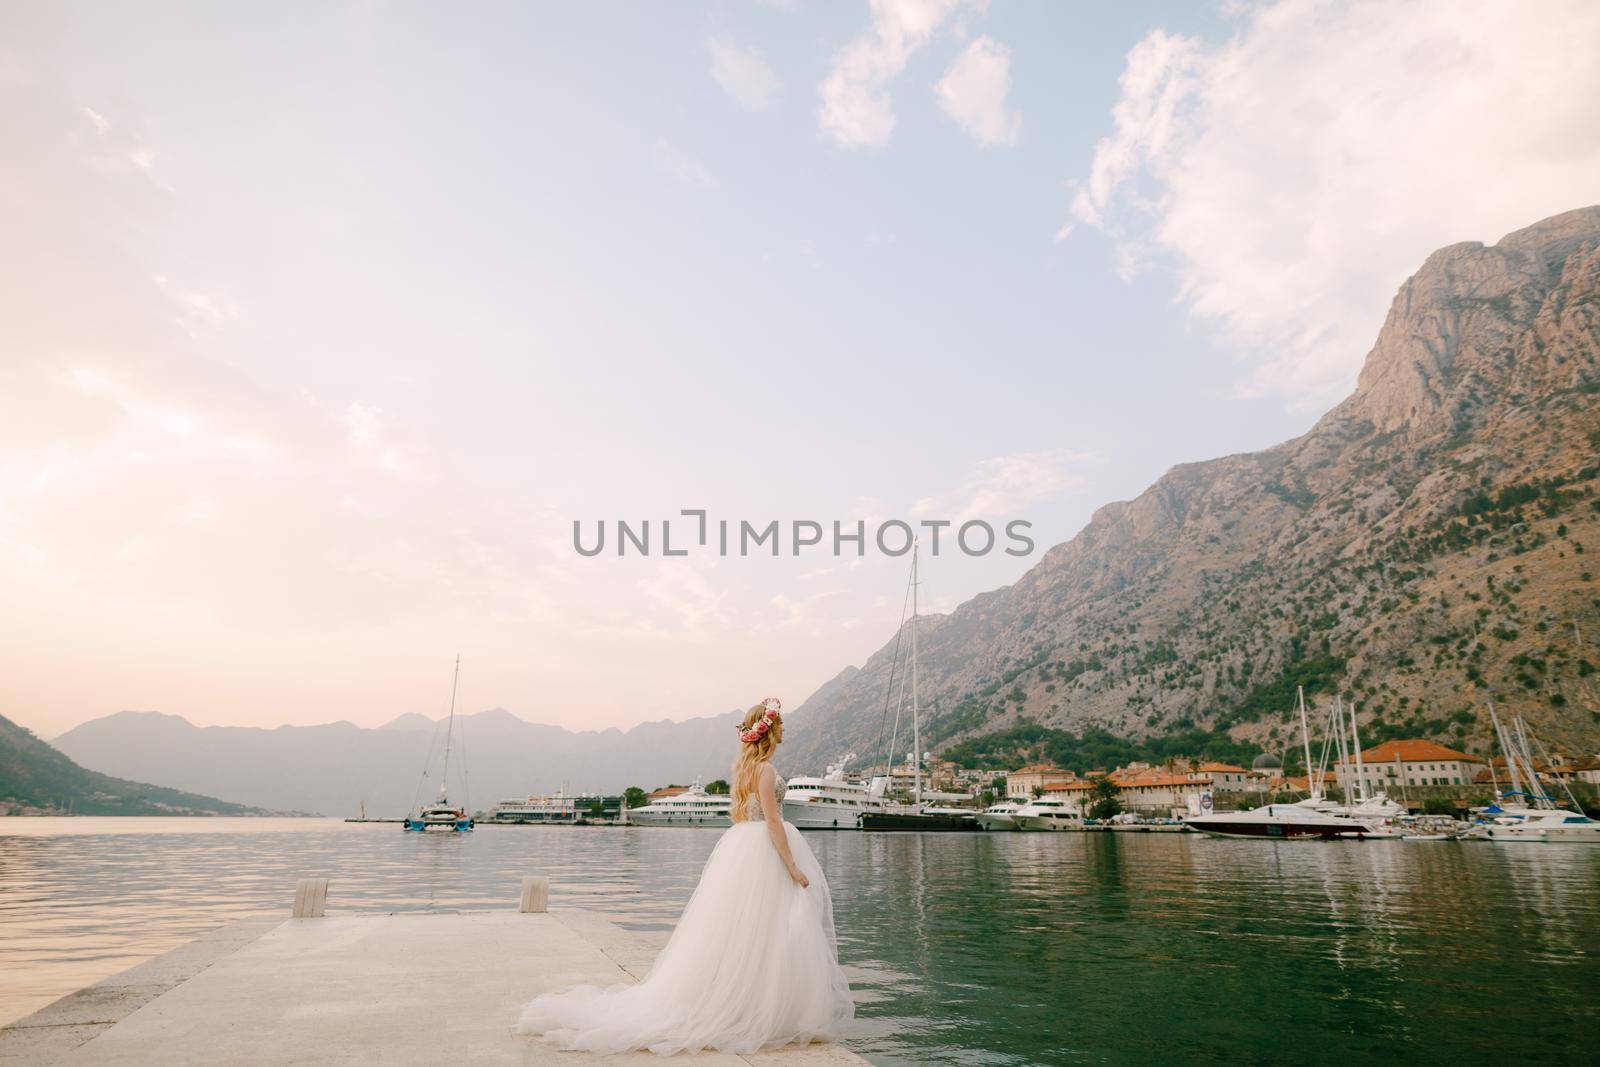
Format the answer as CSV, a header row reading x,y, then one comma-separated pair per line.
x,y
559,808
1001,816
1548,825
1049,813
1278,821
831,802
1378,816
692,807
1542,820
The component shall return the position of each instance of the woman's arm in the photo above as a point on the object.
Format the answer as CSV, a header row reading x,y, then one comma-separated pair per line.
x,y
773,814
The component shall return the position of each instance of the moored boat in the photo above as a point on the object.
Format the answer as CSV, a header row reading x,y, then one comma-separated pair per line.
x,y
441,815
1542,820
692,807
1049,813
941,820
534,808
831,802
1001,816
1551,826
1277,822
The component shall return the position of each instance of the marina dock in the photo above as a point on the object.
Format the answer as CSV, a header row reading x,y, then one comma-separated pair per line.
x,y
396,988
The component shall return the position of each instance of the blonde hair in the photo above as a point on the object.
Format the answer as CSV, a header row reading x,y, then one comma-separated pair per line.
x,y
752,754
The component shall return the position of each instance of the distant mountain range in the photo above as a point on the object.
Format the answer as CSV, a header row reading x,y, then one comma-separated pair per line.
x,y
1431,542
37,779
335,768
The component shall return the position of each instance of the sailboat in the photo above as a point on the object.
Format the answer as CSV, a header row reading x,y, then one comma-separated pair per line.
x,y
1541,820
1375,812
441,816
917,816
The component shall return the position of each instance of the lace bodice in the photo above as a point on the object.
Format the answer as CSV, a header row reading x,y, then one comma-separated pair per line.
x,y
752,806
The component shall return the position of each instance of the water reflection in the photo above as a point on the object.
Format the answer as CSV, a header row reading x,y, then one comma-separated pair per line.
x,y
991,948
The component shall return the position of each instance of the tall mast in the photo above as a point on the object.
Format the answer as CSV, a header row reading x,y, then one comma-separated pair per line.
x,y
1341,749
1505,750
1355,734
916,724
450,728
1540,798
1305,737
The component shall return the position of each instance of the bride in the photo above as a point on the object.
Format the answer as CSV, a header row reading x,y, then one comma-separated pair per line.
x,y
753,962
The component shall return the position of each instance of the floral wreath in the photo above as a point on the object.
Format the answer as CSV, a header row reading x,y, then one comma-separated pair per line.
x,y
759,728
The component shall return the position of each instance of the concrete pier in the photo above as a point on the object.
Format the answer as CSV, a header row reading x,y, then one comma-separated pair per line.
x,y
402,988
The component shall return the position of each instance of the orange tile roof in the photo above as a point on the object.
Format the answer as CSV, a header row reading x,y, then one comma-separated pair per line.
x,y
1067,785
1221,767
1413,751
1039,768
1304,781
1151,777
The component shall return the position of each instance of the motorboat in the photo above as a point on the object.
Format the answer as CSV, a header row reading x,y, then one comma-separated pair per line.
x,y
928,819
1278,822
1551,825
1049,813
1001,816
692,807
1542,820
832,802
1379,818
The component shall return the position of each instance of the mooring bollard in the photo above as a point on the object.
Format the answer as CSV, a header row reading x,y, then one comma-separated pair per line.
x,y
535,893
310,898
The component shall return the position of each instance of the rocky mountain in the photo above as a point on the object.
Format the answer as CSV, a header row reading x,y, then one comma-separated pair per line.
x,y
335,767
37,779
1430,543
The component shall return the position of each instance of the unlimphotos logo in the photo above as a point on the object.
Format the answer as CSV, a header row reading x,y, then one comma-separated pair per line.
x,y
741,537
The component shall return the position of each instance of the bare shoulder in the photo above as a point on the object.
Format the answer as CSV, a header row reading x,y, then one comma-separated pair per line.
x,y
766,774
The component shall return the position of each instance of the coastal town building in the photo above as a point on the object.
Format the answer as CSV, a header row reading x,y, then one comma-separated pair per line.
x,y
1413,762
1225,777
1035,779
978,779
1572,770
1302,783
1157,791
1141,787
1167,789
1074,790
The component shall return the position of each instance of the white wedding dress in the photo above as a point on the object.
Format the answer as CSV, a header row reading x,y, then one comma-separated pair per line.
x,y
752,964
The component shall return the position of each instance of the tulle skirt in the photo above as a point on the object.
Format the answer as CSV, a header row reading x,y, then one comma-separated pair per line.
x,y
752,964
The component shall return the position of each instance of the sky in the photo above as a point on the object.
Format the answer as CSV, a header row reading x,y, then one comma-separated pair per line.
x,y
321,324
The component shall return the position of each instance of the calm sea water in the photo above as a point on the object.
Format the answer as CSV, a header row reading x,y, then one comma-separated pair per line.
x,y
963,948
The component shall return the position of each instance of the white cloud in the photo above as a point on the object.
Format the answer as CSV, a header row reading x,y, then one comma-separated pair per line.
x,y
743,73
856,110
1295,175
999,488
808,612
697,609
684,168
973,93
363,424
